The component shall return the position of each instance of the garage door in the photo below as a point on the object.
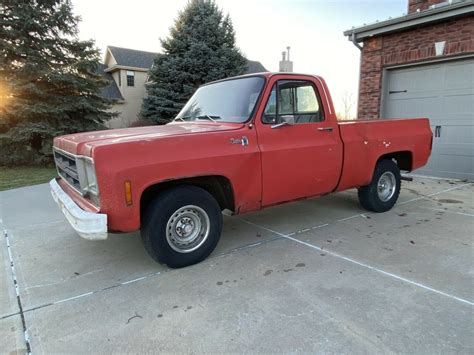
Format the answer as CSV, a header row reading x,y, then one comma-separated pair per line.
x,y
443,92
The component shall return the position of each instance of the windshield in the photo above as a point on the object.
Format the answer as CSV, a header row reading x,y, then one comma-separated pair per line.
x,y
225,101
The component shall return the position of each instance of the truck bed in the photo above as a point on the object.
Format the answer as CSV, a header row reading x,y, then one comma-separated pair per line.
x,y
365,141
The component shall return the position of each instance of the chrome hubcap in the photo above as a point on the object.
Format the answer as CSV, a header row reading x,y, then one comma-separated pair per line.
x,y
386,186
187,229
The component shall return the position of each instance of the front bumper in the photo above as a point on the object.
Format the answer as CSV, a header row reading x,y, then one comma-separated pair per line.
x,y
89,225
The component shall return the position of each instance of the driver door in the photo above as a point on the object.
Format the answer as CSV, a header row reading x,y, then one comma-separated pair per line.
x,y
301,151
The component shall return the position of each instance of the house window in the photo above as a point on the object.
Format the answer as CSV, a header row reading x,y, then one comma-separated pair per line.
x,y
130,78
119,76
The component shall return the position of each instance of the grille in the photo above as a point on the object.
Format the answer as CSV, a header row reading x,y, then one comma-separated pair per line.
x,y
67,169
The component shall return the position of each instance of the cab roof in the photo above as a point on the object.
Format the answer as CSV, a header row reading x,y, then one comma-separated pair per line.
x,y
266,75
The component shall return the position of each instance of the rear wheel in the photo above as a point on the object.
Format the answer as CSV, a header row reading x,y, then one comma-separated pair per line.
x,y
182,226
382,193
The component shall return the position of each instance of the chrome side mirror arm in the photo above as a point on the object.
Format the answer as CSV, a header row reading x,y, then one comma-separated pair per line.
x,y
287,120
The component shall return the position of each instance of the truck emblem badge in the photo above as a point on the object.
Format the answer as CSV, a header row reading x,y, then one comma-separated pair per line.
x,y
244,141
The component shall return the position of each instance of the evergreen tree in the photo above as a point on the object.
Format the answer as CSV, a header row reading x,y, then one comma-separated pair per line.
x,y
201,48
49,81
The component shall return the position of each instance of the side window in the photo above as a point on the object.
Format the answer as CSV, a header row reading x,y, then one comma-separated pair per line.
x,y
307,101
296,98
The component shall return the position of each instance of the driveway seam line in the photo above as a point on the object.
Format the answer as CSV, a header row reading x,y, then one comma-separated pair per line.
x,y
373,268
365,215
9,315
90,293
17,291
433,194
35,225
446,211
245,247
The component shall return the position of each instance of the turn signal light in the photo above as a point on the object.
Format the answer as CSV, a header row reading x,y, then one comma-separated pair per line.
x,y
128,193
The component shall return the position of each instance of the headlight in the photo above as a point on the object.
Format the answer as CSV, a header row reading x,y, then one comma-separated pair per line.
x,y
90,181
87,178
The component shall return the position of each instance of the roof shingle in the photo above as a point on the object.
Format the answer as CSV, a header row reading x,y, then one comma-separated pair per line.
x,y
133,58
111,90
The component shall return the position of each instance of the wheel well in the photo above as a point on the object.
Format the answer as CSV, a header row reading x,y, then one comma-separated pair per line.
x,y
404,159
218,186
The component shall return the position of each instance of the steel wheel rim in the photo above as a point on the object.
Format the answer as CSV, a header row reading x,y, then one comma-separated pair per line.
x,y
386,186
187,229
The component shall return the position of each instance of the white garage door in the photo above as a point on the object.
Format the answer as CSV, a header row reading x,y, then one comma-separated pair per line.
x,y
443,92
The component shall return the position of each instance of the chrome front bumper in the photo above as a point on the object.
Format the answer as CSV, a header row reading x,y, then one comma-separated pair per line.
x,y
89,225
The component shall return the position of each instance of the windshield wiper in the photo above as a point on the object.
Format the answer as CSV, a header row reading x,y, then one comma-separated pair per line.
x,y
211,118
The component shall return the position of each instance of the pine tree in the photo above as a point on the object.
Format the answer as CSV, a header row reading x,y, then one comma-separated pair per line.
x,y
49,81
201,48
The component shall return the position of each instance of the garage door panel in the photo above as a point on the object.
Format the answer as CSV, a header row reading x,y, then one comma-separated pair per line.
x,y
459,75
449,174
408,79
451,164
443,92
410,107
459,104
455,149
456,138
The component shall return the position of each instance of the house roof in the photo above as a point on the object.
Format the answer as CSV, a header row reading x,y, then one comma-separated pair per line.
x,y
142,59
110,91
440,12
132,57
255,67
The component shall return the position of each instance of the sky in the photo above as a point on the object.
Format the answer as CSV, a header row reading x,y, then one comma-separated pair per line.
x,y
264,28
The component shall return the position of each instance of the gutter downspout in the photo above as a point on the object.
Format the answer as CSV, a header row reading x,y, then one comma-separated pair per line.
x,y
353,39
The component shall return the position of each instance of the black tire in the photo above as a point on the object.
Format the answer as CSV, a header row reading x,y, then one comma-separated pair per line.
x,y
160,243
369,196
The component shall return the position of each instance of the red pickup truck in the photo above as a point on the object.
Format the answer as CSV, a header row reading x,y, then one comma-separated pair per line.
x,y
239,144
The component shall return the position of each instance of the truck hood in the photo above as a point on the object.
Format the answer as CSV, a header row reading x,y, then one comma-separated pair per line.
x,y
83,143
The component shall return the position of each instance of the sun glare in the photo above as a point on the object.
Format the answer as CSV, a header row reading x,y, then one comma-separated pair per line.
x,y
5,95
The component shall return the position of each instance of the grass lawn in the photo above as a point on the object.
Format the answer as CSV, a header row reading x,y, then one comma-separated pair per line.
x,y
11,178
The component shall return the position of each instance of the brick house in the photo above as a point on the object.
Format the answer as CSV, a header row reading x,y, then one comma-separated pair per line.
x,y
422,65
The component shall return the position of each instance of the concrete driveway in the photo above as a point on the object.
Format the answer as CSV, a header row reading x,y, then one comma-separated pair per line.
x,y
319,275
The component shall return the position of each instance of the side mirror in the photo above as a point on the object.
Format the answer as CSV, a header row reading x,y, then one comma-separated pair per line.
x,y
287,120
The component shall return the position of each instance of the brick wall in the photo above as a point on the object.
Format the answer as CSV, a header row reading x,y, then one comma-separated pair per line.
x,y
405,47
414,5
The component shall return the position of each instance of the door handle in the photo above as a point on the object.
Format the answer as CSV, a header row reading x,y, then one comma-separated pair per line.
x,y
437,131
325,129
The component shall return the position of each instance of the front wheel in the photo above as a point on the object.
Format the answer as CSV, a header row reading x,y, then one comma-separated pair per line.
x,y
382,192
182,226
